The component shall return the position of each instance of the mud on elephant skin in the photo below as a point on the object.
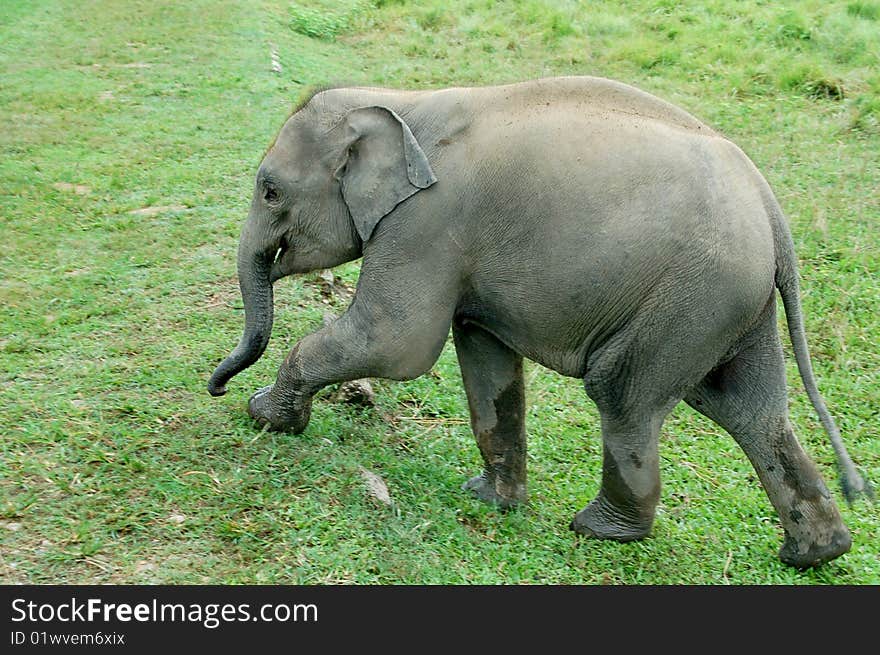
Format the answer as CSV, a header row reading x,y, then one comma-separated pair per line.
x,y
578,222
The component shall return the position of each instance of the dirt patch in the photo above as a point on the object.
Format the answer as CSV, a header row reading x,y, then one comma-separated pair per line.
x,y
78,189
156,210
223,293
222,299
332,289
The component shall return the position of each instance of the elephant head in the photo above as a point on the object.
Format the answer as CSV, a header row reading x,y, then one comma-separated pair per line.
x,y
325,183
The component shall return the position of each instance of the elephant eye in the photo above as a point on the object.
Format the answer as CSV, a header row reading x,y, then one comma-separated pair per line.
x,y
270,193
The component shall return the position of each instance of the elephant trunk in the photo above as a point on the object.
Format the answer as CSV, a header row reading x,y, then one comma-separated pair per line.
x,y
254,267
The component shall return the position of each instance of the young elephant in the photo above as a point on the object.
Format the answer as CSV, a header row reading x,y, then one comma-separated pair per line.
x,y
579,222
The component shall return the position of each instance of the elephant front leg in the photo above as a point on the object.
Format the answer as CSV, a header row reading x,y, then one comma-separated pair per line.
x,y
493,380
290,412
380,336
285,406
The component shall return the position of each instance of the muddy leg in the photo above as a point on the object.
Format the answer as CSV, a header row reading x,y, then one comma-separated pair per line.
x,y
493,381
747,397
624,508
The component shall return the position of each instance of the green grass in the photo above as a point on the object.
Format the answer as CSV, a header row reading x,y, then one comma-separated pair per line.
x,y
130,133
324,20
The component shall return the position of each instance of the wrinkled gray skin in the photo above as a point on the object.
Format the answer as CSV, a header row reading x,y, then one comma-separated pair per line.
x,y
579,222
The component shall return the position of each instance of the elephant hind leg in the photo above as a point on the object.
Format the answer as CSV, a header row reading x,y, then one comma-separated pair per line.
x,y
636,379
747,397
624,508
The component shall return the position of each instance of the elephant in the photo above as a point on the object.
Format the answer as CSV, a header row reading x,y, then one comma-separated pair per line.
x,y
578,222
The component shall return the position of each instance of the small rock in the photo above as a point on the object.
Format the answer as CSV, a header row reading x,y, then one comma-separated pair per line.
x,y
276,61
376,486
326,282
177,518
14,527
357,392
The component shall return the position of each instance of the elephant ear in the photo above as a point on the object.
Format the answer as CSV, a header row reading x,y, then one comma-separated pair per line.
x,y
382,165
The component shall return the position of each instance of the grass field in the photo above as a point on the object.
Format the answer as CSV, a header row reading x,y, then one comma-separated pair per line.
x,y
130,133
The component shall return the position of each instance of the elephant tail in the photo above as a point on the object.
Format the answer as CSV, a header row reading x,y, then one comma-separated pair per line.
x,y
852,484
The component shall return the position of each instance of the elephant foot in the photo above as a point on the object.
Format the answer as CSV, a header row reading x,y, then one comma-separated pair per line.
x,y
601,520
806,555
492,492
285,416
